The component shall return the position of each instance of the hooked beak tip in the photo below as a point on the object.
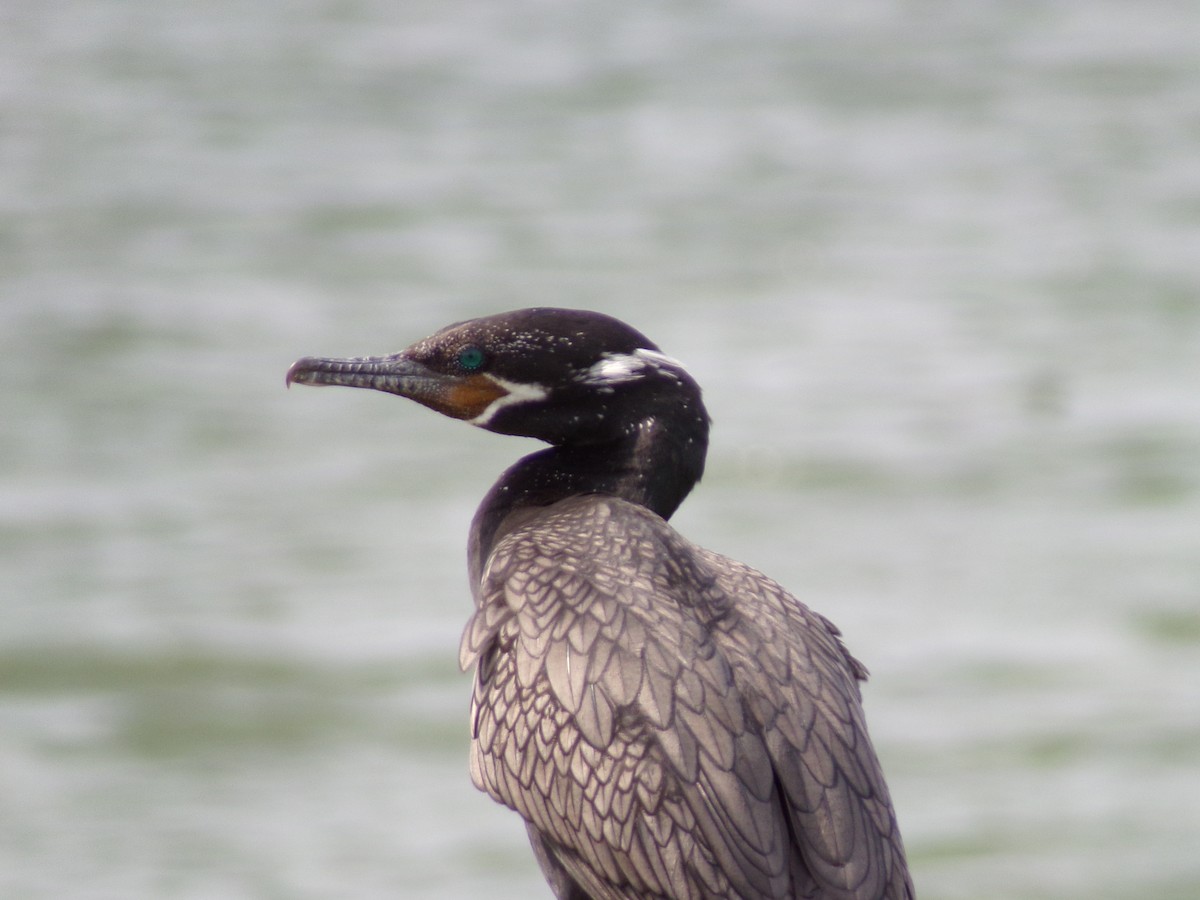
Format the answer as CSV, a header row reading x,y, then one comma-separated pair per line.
x,y
295,372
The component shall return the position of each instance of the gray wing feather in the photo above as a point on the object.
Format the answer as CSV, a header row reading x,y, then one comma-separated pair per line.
x,y
669,722
805,690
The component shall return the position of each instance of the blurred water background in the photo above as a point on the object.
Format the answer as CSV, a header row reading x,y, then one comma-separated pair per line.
x,y
937,265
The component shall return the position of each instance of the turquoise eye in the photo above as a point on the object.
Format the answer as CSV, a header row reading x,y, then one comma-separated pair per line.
x,y
470,359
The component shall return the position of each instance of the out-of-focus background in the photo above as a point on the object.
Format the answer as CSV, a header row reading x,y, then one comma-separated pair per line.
x,y
937,265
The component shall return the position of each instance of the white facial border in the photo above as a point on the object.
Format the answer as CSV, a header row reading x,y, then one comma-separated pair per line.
x,y
516,393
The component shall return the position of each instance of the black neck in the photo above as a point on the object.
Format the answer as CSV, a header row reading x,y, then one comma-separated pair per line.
x,y
654,464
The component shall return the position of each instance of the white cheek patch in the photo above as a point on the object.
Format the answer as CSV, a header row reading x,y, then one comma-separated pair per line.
x,y
619,368
515,394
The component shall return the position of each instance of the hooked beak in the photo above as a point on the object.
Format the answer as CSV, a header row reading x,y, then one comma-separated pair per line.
x,y
457,396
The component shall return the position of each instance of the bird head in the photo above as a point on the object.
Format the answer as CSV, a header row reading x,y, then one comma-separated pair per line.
x,y
564,376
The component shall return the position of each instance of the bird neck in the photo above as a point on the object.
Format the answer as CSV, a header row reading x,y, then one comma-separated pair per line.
x,y
654,463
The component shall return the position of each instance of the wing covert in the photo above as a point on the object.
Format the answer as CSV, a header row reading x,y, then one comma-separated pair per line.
x,y
660,734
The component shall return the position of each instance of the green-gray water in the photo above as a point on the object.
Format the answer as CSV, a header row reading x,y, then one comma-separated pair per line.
x,y
937,266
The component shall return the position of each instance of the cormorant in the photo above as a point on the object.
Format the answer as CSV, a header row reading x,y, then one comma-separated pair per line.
x,y
670,723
